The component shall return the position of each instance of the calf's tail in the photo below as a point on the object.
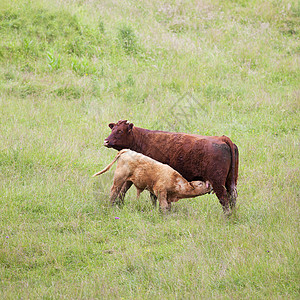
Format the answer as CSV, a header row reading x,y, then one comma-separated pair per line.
x,y
110,165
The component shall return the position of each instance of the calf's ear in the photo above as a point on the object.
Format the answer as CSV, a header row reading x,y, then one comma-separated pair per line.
x,y
130,126
111,125
191,184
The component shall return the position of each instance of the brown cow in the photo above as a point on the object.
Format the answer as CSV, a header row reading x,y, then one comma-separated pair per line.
x,y
160,179
195,157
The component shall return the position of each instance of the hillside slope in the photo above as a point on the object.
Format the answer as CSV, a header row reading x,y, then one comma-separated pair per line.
x,y
68,69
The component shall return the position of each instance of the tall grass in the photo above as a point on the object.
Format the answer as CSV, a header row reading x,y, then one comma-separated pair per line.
x,y
67,69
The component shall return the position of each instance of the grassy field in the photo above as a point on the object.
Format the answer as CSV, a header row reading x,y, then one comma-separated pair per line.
x,y
68,68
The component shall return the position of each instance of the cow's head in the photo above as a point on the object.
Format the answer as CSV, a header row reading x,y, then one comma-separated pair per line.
x,y
121,135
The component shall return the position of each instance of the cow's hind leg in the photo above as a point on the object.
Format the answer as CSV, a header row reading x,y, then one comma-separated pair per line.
x,y
222,195
232,195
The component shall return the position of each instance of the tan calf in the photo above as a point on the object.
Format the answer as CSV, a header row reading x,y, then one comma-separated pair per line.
x,y
148,174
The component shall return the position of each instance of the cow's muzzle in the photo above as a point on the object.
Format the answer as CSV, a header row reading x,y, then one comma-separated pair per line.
x,y
106,143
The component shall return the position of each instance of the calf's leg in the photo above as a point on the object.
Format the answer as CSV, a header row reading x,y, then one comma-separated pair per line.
x,y
153,199
169,206
163,201
126,186
114,192
138,192
115,189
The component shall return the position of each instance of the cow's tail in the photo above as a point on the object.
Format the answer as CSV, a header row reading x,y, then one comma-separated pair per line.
x,y
110,165
231,181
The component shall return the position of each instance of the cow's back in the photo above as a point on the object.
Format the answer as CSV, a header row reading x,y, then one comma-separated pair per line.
x,y
193,156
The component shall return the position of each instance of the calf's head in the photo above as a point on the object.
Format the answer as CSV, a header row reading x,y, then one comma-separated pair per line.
x,y
200,186
121,135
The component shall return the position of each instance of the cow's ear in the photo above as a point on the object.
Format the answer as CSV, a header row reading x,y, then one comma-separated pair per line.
x,y
130,127
111,125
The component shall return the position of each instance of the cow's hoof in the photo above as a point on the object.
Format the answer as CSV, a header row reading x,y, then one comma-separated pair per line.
x,y
227,212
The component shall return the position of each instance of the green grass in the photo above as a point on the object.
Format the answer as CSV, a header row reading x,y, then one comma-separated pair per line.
x,y
67,69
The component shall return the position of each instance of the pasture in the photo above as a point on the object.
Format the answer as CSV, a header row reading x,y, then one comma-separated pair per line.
x,y
68,69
